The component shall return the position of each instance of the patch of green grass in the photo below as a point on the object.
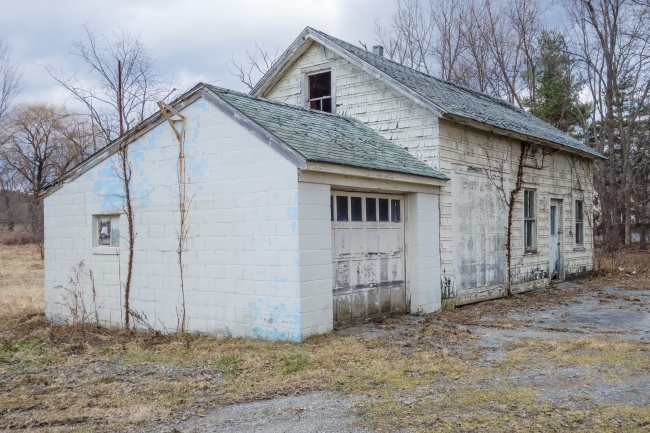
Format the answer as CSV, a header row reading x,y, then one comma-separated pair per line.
x,y
294,362
228,365
26,351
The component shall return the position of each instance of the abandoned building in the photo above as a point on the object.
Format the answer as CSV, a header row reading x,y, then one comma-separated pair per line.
x,y
345,186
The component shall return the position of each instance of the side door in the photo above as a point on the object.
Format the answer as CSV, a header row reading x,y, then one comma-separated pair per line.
x,y
555,240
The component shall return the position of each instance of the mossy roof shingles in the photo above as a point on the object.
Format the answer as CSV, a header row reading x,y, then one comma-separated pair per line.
x,y
462,101
326,137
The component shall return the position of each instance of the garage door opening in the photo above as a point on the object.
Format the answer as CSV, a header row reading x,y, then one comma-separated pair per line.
x,y
367,256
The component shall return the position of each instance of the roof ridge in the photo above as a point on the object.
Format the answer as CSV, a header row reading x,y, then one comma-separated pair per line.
x,y
460,86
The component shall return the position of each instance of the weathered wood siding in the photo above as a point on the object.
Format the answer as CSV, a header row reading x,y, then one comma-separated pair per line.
x,y
368,99
464,153
472,218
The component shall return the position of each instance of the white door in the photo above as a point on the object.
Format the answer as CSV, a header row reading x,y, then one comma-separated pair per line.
x,y
367,255
555,237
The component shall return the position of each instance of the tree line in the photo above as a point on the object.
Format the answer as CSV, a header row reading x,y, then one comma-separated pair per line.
x,y
588,75
40,142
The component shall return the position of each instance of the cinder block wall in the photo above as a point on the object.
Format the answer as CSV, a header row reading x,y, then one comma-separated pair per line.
x,y
423,226
246,272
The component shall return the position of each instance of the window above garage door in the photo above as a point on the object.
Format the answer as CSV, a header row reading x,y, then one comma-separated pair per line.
x,y
347,207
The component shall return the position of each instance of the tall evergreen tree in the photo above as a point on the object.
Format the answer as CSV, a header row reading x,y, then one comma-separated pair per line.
x,y
557,86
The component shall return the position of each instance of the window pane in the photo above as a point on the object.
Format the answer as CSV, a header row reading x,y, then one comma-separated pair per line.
x,y
371,209
531,204
528,238
394,211
553,219
104,226
341,208
383,209
326,105
331,208
355,208
320,85
115,231
526,201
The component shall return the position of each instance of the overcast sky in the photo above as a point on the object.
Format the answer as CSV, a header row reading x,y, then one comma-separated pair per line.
x,y
191,39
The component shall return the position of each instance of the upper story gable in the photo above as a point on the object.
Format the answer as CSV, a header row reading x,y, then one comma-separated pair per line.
x,y
298,77
318,77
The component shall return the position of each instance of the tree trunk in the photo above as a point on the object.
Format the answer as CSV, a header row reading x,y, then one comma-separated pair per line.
x,y
643,245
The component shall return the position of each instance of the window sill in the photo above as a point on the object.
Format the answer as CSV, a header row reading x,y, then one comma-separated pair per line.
x,y
106,251
530,253
579,249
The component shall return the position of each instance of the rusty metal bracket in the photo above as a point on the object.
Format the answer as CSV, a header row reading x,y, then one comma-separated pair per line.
x,y
173,117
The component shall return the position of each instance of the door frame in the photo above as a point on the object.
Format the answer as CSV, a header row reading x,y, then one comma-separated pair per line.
x,y
559,225
403,197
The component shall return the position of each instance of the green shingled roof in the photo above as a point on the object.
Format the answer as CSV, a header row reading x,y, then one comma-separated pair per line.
x,y
461,101
326,137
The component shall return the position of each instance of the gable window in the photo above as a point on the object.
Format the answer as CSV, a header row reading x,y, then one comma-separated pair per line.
x,y
580,235
108,230
320,91
530,223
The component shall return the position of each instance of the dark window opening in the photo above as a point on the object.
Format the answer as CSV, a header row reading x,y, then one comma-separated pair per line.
x,y
331,208
383,210
553,216
341,208
371,209
320,91
394,211
580,236
356,209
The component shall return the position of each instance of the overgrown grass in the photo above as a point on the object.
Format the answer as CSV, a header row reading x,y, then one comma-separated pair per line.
x,y
432,378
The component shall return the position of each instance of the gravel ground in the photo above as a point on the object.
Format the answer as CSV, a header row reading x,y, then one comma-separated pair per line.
x,y
316,412
608,313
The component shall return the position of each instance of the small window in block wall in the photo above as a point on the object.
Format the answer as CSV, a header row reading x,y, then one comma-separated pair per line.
x,y
108,230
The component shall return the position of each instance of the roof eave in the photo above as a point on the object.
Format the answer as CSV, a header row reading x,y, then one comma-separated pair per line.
x,y
518,136
110,149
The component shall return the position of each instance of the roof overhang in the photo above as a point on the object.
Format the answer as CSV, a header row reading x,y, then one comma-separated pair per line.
x,y
521,137
342,176
110,149
307,37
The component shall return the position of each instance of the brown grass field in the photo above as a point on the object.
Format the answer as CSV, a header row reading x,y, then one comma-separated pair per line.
x,y
429,375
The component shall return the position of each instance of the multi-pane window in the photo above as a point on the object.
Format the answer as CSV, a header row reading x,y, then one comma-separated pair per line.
x,y
363,208
320,91
108,230
580,228
530,222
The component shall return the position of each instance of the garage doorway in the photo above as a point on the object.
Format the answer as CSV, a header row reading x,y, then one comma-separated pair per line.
x,y
367,256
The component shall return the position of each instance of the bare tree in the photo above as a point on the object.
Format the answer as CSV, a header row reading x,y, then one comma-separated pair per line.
x,y
486,45
126,82
611,39
257,63
10,80
37,144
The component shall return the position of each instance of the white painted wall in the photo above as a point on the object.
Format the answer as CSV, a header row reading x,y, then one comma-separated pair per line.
x,y
257,262
455,149
423,252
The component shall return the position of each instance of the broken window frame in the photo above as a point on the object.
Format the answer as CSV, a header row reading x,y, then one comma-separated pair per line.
x,y
580,225
394,202
113,231
315,70
530,221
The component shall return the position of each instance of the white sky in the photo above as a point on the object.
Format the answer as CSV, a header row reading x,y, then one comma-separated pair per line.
x,y
191,39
